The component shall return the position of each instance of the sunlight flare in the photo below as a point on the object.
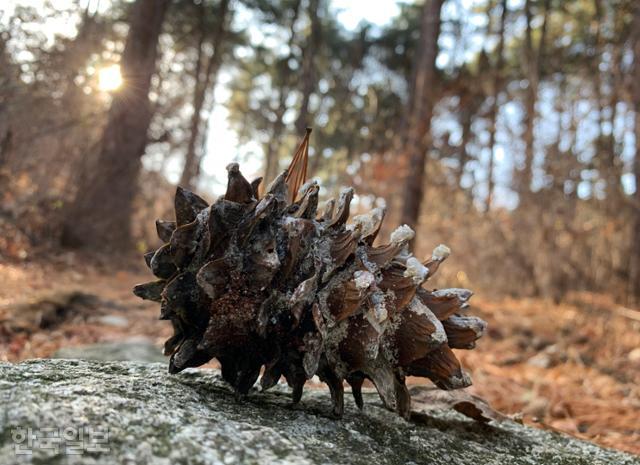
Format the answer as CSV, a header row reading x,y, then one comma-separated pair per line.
x,y
109,78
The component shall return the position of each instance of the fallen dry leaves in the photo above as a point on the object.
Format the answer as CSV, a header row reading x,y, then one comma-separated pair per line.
x,y
569,367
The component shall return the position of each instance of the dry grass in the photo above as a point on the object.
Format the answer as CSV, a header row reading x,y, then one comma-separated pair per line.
x,y
573,367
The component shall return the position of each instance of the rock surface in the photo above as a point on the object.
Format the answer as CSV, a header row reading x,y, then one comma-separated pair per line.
x,y
193,418
132,350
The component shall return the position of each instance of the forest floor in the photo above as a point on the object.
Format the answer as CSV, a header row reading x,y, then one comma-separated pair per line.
x,y
573,367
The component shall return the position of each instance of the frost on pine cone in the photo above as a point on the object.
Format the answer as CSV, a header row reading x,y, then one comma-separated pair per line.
x,y
269,283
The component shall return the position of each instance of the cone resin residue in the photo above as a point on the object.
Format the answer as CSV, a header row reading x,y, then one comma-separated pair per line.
x,y
269,283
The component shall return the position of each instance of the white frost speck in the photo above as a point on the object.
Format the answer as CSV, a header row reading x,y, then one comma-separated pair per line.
x,y
439,335
368,221
306,186
363,279
416,270
441,252
379,311
402,233
462,294
346,191
270,260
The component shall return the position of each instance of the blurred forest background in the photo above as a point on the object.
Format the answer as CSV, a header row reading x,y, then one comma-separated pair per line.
x,y
506,129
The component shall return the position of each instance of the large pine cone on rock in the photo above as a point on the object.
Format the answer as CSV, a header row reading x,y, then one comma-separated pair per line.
x,y
268,283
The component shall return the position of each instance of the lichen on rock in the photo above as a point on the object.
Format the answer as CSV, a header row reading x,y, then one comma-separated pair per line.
x,y
192,419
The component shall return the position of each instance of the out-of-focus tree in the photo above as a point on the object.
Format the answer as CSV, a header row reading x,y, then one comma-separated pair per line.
x,y
263,89
496,85
309,68
7,81
212,32
634,260
534,55
419,110
100,216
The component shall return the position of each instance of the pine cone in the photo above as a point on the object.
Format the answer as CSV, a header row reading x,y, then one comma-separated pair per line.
x,y
266,283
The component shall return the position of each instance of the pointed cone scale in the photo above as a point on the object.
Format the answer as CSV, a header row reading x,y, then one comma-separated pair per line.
x,y
360,347
309,203
463,331
439,255
336,388
356,380
418,333
264,262
271,376
327,212
342,215
224,218
345,300
148,256
445,302
238,188
247,377
228,369
172,344
278,188
255,187
184,242
403,287
372,224
296,378
165,229
162,264
150,291
187,355
213,277
264,209
443,368
384,255
179,299
187,206
312,352
384,380
432,266
296,392
318,320
301,297
343,246
402,397
298,233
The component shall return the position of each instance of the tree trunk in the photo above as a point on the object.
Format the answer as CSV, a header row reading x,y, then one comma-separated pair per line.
x,y
493,112
606,158
308,66
466,118
7,79
420,110
272,156
634,274
634,271
100,216
203,84
533,62
273,146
